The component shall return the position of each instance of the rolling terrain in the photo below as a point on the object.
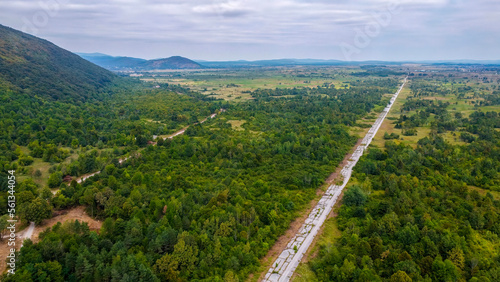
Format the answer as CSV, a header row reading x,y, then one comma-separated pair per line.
x,y
201,173
135,64
39,68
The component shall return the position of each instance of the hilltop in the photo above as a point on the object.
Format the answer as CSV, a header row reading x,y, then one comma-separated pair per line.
x,y
137,64
175,62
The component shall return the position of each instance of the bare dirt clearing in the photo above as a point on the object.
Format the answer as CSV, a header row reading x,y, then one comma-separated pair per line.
x,y
77,213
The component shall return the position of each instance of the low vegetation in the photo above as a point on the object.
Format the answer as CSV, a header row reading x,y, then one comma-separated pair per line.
x,y
426,212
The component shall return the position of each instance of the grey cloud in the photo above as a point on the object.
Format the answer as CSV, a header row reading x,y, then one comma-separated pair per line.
x,y
254,29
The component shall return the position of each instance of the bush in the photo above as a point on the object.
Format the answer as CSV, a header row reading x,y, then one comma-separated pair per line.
x,y
55,179
25,161
354,196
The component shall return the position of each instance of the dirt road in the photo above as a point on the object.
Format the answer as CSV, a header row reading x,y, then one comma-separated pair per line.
x,y
32,232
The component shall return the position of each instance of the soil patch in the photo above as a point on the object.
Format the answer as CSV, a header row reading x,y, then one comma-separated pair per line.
x,y
77,213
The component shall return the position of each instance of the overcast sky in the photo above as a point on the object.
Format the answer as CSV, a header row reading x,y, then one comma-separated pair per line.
x,y
265,29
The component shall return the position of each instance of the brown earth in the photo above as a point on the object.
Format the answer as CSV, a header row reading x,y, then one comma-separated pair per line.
x,y
336,173
77,213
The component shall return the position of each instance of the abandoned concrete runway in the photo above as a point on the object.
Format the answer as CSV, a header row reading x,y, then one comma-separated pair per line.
x,y
284,266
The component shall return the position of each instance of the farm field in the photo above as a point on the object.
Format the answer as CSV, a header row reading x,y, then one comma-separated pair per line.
x,y
234,85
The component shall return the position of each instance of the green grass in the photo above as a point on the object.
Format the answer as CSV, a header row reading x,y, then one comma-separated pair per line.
x,y
303,273
237,124
38,164
235,85
358,131
333,233
388,124
453,139
483,192
456,105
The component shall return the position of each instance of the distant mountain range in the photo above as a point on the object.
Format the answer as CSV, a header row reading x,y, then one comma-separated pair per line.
x,y
269,63
319,62
37,67
136,64
176,62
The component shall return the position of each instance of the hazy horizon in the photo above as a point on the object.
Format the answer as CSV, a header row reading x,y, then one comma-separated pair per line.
x,y
405,30
276,59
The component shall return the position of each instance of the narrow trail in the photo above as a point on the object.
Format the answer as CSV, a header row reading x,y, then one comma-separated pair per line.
x,y
29,232
123,159
283,268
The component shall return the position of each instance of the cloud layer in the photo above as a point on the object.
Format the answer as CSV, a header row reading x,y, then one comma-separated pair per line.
x,y
263,29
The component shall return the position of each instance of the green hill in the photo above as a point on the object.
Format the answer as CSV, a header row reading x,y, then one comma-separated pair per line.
x,y
38,67
175,62
136,64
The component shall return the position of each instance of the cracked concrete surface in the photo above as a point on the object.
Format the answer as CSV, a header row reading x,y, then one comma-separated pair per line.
x,y
285,265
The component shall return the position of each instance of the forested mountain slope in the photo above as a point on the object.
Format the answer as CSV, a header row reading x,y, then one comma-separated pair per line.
x,y
38,67
53,104
136,64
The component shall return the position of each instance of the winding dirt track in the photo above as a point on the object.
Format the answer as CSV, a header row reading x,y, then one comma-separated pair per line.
x,y
32,232
123,159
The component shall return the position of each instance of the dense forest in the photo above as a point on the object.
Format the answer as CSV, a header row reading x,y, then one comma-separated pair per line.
x,y
204,206
36,67
52,130
209,203
428,213
475,164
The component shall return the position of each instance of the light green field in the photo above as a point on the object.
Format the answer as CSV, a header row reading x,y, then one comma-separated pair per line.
x,y
463,106
303,273
39,164
388,124
234,85
237,124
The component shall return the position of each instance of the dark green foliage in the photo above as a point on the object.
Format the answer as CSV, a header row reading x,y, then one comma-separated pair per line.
x,y
391,136
207,204
37,67
422,221
354,196
203,206
51,98
55,179
36,211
